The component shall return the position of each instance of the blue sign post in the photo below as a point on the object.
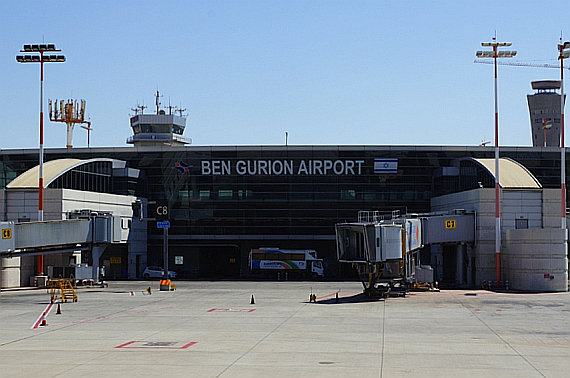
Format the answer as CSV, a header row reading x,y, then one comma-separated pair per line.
x,y
163,224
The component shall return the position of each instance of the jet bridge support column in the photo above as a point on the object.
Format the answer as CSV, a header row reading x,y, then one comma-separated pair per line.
x,y
470,265
461,252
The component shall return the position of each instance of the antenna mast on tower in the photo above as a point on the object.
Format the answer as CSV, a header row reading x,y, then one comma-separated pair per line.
x,y
180,110
139,108
158,102
69,113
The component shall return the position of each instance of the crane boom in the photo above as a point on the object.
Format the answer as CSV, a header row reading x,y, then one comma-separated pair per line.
x,y
520,64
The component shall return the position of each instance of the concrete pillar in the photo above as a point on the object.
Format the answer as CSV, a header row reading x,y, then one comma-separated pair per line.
x,y
10,272
460,276
133,264
470,261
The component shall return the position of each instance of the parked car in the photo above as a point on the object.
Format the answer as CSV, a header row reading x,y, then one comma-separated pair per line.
x,y
157,272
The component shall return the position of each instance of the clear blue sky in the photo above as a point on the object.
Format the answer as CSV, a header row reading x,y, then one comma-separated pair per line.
x,y
327,72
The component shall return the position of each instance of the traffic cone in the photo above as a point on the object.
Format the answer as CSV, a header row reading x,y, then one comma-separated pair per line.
x,y
252,300
337,297
43,323
58,312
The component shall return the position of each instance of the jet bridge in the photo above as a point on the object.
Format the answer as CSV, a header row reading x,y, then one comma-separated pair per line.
x,y
384,248
93,233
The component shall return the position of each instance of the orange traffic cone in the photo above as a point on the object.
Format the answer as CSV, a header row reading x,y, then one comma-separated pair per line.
x,y
58,312
43,323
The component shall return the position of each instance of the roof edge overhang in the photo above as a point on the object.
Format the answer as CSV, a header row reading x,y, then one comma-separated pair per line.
x,y
512,174
52,170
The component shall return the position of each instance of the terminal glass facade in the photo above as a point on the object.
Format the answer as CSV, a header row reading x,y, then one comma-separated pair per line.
x,y
226,200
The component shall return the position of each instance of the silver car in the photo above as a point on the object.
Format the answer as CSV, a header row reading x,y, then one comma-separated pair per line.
x,y
157,272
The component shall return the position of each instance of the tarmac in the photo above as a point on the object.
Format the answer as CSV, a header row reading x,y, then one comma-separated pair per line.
x,y
271,329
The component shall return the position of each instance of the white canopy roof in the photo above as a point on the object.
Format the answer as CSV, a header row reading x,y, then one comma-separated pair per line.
x,y
512,175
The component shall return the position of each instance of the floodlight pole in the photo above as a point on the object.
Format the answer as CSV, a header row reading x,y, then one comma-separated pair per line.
x,y
495,54
40,48
564,50
41,175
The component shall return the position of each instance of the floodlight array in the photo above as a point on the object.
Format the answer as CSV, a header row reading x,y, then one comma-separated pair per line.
x,y
38,58
39,47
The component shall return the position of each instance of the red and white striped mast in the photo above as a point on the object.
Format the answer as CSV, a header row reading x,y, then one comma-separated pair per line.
x,y
497,54
564,53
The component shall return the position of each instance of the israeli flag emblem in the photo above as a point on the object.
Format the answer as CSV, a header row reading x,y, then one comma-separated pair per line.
x,y
385,165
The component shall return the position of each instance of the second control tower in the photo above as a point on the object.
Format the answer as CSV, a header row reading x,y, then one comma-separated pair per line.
x,y
544,108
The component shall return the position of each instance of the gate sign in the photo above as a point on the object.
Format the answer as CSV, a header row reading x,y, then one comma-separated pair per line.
x,y
161,212
6,233
450,224
8,242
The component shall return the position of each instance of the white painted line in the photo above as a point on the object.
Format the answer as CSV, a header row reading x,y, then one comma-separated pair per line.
x,y
43,315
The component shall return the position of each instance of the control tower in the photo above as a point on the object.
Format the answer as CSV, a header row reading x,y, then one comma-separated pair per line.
x,y
160,129
544,108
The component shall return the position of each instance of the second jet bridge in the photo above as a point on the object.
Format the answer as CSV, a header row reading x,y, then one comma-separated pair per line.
x,y
372,239
386,250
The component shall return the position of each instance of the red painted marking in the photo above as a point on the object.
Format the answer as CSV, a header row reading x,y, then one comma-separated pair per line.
x,y
126,345
328,295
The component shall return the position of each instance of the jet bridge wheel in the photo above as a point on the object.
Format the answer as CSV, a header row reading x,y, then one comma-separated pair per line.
x,y
399,287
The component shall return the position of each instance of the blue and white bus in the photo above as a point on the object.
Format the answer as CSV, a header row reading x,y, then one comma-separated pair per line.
x,y
296,261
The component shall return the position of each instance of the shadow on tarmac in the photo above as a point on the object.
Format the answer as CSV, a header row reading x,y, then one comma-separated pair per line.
x,y
356,298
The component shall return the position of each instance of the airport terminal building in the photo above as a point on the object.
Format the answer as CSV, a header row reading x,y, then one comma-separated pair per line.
x,y
226,200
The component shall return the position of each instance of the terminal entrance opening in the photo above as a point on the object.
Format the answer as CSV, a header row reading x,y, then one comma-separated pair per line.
x,y
200,260
449,265
219,261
